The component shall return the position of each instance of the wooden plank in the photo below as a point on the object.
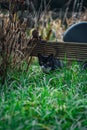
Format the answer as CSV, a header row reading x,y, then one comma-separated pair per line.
x,y
62,50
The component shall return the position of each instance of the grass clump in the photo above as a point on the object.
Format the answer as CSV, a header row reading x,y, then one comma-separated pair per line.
x,y
34,100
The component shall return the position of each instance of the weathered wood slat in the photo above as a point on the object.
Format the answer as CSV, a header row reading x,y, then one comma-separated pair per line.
x,y
62,50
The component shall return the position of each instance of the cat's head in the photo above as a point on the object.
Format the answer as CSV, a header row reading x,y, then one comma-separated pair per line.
x,y
46,62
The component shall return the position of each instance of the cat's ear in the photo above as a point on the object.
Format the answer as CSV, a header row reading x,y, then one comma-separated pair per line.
x,y
51,56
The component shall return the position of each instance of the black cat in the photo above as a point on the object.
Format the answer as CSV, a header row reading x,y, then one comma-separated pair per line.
x,y
49,63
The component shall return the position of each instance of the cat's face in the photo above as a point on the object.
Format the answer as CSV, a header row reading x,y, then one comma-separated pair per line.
x,y
46,62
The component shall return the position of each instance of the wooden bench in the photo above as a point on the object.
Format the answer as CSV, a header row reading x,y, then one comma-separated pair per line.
x,y
69,50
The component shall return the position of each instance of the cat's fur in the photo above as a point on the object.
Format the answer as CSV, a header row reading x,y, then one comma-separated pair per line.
x,y
49,63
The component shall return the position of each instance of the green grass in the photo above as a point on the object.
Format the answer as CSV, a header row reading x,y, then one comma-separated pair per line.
x,y
36,101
